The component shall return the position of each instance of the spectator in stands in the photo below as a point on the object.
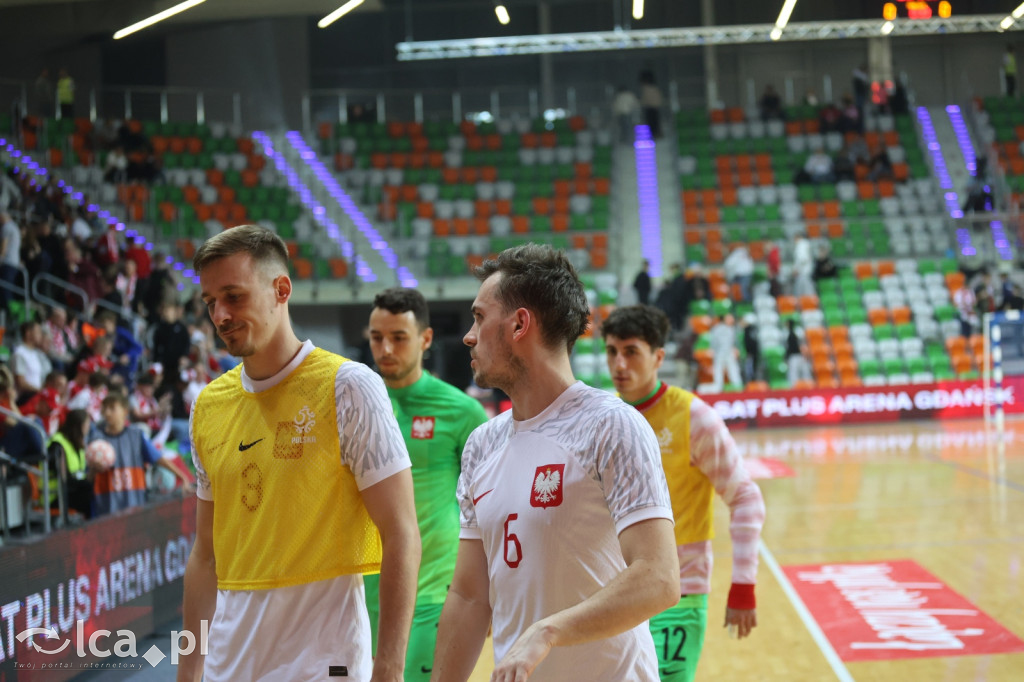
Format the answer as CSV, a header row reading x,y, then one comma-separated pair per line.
x,y
68,445
861,89
116,167
723,347
10,254
771,104
17,438
739,269
857,149
79,226
797,367
842,167
158,289
29,361
880,165
674,297
146,410
42,95
625,107
62,338
84,274
651,101
171,339
852,120
979,196
123,486
824,266
810,98
818,167
10,193
66,94
642,283
1006,286
899,103
1010,71
1014,298
752,348
127,282
171,391
830,118
803,266
774,259
46,408
125,350
90,397
966,307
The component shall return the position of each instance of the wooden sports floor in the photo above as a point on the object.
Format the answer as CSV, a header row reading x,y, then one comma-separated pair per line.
x,y
942,494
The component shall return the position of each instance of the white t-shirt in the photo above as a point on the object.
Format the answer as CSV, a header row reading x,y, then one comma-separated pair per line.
x,y
297,632
32,364
548,497
11,237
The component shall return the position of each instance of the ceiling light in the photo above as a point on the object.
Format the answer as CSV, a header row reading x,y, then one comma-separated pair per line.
x,y
638,9
502,13
776,33
1019,12
339,13
887,28
787,9
1006,23
159,16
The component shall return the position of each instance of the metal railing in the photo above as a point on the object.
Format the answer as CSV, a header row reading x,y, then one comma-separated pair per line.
x,y
21,292
43,472
42,297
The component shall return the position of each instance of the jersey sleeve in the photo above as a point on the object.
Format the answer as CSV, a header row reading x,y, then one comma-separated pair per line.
x,y
371,442
714,452
629,466
204,491
469,530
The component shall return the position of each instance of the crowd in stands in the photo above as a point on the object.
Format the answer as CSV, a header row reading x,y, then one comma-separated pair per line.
x,y
129,359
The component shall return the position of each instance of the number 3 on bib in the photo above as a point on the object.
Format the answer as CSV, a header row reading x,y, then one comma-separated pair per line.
x,y
511,539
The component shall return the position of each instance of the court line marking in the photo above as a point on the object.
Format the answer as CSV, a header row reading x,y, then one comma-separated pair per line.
x,y
1012,485
837,665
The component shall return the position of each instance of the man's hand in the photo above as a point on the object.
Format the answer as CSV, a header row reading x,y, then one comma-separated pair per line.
x,y
745,620
188,488
530,649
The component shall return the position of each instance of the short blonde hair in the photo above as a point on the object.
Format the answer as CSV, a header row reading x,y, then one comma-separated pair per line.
x,y
265,247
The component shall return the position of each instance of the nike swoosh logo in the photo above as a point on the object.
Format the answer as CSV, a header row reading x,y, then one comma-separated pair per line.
x,y
243,447
477,499
425,669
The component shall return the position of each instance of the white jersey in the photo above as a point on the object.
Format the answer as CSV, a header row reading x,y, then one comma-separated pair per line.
x,y
296,632
548,497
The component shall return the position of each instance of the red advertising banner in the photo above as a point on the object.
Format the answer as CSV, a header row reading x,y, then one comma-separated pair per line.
x,y
84,598
873,611
942,400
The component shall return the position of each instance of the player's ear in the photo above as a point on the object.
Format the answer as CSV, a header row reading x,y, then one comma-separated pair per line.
x,y
283,288
659,358
522,320
428,337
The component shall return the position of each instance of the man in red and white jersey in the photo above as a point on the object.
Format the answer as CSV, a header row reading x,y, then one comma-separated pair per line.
x,y
566,547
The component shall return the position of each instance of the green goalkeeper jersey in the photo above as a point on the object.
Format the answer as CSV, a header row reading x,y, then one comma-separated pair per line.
x,y
436,419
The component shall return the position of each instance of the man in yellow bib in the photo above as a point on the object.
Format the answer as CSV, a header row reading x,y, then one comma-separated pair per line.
x,y
299,453
700,458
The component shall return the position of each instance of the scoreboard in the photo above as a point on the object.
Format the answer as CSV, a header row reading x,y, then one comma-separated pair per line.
x,y
916,9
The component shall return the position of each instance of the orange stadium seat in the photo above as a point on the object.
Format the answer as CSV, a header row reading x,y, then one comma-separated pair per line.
x,y
877,316
442,228
864,270
786,304
481,227
560,222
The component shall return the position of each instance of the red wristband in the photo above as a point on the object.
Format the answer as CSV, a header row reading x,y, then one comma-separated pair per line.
x,y
742,597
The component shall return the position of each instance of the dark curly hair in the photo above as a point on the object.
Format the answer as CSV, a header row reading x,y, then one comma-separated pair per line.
x,y
398,300
638,321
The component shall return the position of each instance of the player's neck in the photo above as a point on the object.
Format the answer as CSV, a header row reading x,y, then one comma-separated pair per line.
x,y
278,353
642,394
539,387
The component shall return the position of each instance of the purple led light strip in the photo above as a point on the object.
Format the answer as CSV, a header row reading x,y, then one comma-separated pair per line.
x,y
963,138
377,242
362,268
963,235
647,197
39,171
